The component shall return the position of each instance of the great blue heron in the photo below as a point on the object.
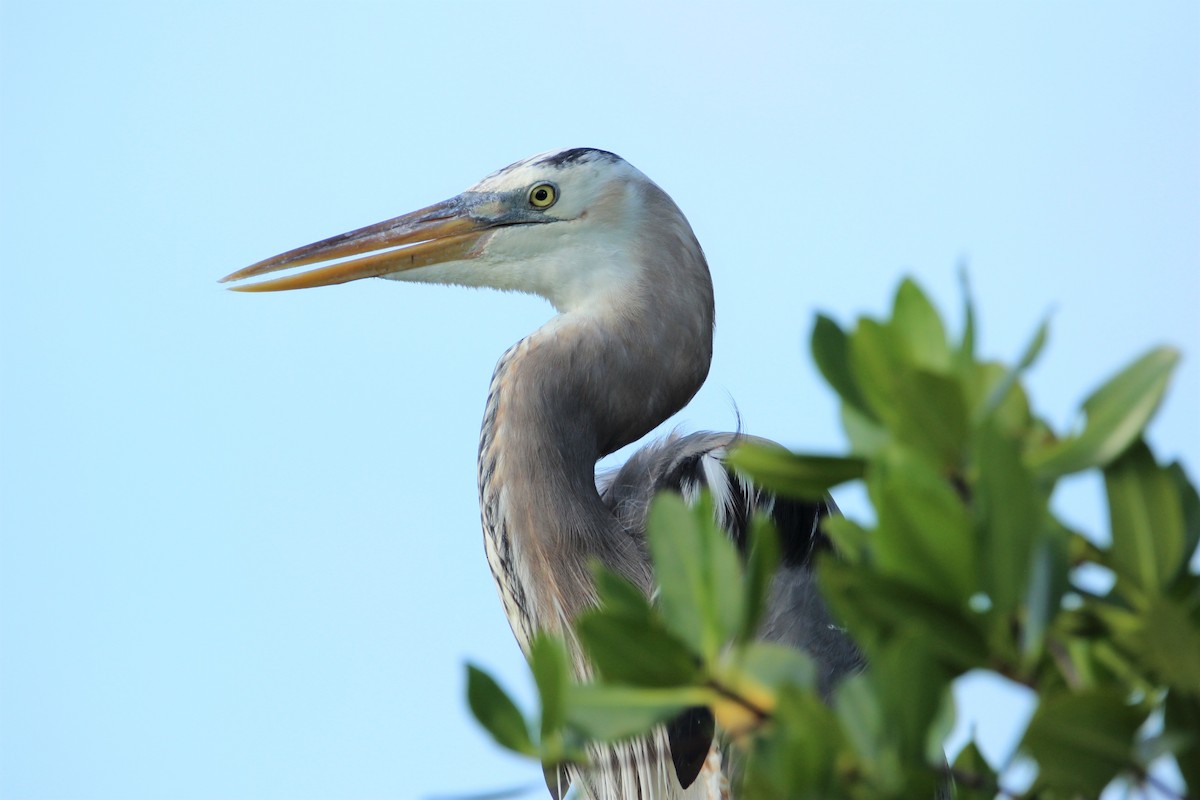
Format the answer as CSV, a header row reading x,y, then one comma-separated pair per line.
x,y
630,345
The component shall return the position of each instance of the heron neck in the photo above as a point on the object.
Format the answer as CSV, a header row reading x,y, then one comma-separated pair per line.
x,y
576,389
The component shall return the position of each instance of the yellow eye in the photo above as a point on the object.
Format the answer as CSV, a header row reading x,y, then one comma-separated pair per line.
x,y
543,195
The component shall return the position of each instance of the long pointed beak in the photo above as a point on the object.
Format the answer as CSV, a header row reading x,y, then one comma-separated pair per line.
x,y
452,230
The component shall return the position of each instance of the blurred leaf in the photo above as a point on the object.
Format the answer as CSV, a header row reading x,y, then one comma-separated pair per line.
x,y
966,348
1146,514
917,323
877,608
830,351
1116,414
1000,391
773,665
678,565
934,416
606,713
619,594
860,714
1009,513
781,471
799,756
762,559
867,437
1048,579
1190,503
850,539
1083,741
497,712
911,685
923,536
635,650
1012,414
975,778
699,574
1183,721
548,662
1169,641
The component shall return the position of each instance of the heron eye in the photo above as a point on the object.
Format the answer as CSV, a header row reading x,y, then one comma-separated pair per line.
x,y
543,195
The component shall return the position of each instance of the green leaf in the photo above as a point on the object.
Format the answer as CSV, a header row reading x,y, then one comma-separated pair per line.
x,y
619,594
548,662
1183,720
800,755
1083,741
674,538
1001,390
699,573
910,683
1146,514
917,323
635,650
1116,414
786,473
830,351
924,534
762,559
775,665
1010,511
1169,642
1048,580
975,778
1190,502
965,356
867,437
877,609
606,713
851,540
498,714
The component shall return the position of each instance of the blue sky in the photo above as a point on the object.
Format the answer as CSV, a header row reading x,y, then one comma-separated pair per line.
x,y
239,542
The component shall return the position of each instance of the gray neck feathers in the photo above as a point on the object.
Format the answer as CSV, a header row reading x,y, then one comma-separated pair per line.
x,y
580,387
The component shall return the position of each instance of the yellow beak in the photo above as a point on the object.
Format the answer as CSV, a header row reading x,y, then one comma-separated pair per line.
x,y
452,230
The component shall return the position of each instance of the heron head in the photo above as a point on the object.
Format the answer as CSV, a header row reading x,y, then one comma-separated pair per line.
x,y
573,226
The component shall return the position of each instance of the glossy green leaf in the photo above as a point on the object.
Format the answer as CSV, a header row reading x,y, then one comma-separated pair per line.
x,y
1116,414
1083,741
1010,510
917,323
762,559
548,661
783,472
923,537
1146,515
606,713
635,650
831,352
498,714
